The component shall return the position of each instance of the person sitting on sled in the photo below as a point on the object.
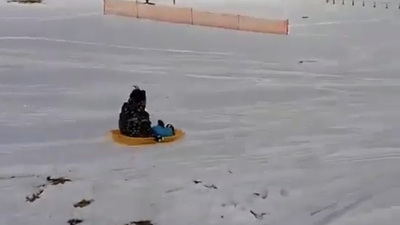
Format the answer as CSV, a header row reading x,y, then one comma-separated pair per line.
x,y
134,120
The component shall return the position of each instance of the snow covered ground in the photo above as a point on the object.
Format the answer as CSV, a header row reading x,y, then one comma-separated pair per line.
x,y
297,130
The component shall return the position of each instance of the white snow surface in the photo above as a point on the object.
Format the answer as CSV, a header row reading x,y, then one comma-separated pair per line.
x,y
317,140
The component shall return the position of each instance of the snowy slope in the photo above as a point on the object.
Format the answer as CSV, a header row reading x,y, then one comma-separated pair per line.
x,y
302,128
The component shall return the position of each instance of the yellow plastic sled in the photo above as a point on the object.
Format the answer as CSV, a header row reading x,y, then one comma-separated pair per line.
x,y
135,141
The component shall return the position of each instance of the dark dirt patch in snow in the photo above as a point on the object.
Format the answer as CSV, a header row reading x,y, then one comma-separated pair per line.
x,y
57,181
210,186
263,195
50,181
197,181
142,222
83,203
74,221
258,215
34,196
26,1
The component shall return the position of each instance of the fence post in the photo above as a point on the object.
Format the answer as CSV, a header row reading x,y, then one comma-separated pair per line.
x,y
137,9
238,26
191,14
287,26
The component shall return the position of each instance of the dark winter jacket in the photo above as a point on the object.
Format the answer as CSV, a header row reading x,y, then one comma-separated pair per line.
x,y
134,121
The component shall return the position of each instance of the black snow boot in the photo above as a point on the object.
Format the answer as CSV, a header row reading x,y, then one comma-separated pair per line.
x,y
172,127
160,123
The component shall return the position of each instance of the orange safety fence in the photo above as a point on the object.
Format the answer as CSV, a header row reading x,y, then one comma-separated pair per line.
x,y
165,13
120,8
228,21
247,23
195,17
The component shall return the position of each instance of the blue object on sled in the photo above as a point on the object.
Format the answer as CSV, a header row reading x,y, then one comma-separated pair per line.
x,y
163,131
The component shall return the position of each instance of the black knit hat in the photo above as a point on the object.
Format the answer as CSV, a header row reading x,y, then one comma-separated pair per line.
x,y
138,95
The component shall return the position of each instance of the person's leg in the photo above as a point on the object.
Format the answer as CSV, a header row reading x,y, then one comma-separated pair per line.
x,y
167,132
162,131
170,126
